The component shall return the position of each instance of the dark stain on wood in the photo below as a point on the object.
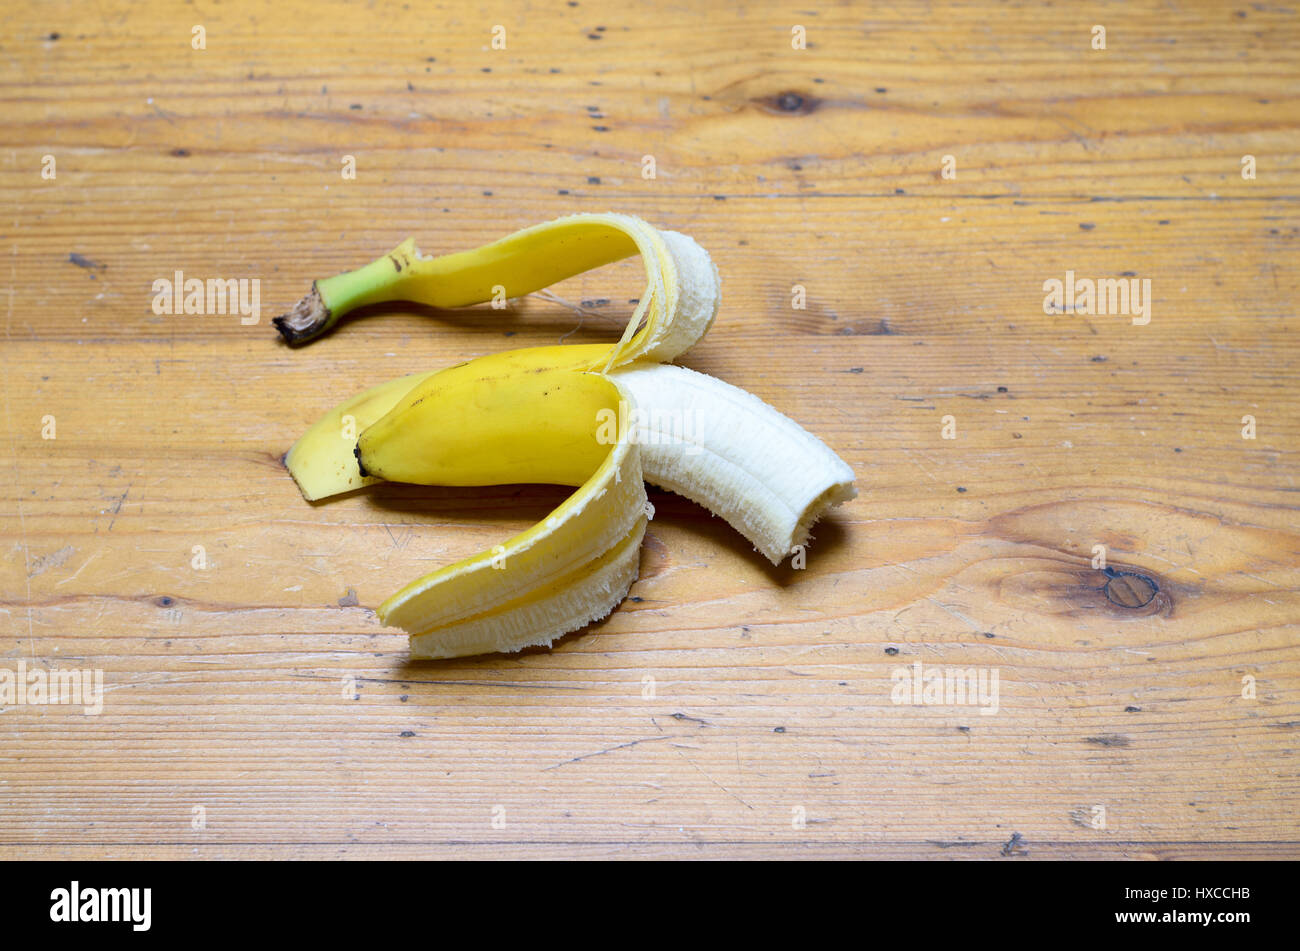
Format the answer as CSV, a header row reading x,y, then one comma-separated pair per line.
x,y
788,104
1110,740
1015,845
81,261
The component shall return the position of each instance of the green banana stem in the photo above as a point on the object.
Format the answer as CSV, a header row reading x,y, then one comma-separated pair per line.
x,y
330,298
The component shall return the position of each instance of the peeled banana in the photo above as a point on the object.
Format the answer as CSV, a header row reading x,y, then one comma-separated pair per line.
x,y
603,419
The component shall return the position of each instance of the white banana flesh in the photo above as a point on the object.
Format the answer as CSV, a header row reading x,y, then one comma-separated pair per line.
x,y
726,449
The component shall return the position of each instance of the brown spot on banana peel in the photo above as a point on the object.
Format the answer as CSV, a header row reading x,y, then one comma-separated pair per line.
x,y
403,257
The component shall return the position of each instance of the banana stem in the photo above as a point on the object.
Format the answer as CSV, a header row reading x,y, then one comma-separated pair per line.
x,y
330,298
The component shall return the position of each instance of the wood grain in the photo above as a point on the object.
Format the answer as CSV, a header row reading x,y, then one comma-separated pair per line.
x,y
257,691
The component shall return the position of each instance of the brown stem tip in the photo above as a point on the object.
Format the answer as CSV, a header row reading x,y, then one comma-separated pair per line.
x,y
307,320
361,466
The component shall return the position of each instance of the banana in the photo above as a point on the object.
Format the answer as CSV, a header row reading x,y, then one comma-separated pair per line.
x,y
601,418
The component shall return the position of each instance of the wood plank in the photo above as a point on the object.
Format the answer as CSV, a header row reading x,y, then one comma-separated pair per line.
x,y
262,689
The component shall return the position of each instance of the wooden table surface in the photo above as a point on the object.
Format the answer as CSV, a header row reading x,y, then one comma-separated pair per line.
x,y
254,707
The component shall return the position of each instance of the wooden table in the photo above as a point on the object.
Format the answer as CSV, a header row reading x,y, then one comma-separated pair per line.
x,y
253,706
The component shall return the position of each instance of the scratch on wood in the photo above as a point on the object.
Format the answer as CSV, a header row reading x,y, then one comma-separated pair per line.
x,y
620,746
